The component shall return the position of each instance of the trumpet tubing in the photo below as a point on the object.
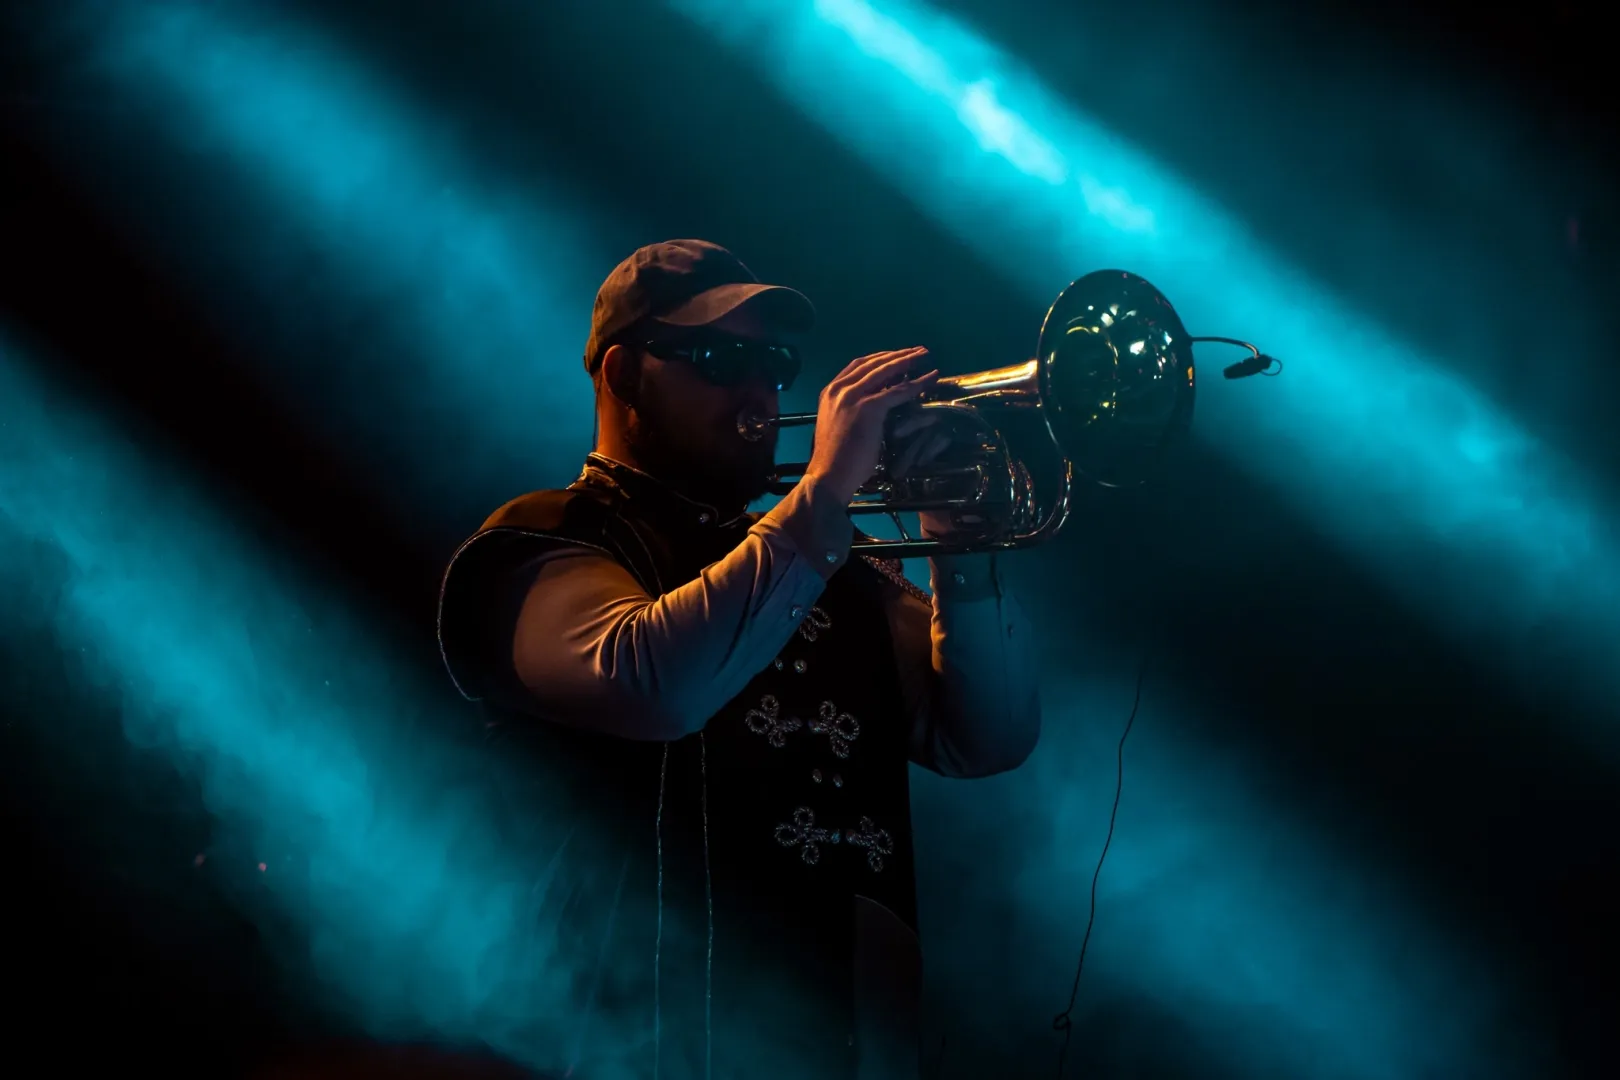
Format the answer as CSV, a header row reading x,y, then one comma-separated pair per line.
x,y
1109,390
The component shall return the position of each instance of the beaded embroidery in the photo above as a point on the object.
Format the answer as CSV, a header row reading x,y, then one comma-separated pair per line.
x,y
814,623
767,720
876,841
801,832
841,728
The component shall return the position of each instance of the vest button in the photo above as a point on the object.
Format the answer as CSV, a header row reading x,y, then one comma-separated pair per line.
x,y
800,666
796,612
703,519
832,556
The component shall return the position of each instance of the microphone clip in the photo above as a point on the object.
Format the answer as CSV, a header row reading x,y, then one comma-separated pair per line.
x,y
1258,364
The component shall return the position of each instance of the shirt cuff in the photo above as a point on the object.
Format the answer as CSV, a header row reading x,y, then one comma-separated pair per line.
x,y
965,578
815,524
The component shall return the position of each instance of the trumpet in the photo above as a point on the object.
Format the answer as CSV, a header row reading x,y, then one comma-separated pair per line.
x,y
1109,391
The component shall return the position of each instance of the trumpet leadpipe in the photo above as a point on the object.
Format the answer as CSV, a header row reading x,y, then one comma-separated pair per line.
x,y
752,426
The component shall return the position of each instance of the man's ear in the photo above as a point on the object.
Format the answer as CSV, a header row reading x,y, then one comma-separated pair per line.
x,y
621,374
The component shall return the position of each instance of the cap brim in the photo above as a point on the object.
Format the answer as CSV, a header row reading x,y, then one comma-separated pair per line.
x,y
746,308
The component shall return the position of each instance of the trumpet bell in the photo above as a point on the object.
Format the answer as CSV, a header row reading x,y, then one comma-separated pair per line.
x,y
1116,377
1107,394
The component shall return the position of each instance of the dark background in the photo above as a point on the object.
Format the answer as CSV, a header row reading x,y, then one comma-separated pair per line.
x,y
1447,763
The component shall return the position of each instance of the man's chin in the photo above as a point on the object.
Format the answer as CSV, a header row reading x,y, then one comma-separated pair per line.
x,y
723,484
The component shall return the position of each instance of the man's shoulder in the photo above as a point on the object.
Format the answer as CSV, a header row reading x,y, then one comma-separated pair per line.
x,y
552,511
532,524
543,510
476,593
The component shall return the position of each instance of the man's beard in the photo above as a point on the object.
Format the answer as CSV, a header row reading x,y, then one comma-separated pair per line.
x,y
728,481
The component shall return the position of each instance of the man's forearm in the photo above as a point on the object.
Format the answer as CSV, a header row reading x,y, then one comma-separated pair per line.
x,y
594,650
985,713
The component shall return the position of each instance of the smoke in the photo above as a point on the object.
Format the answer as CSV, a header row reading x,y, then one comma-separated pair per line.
x,y
404,887
1384,440
1230,929
403,292
425,314
402,295
344,817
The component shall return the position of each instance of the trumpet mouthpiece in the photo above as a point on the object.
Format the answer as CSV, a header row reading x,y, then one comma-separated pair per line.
x,y
752,426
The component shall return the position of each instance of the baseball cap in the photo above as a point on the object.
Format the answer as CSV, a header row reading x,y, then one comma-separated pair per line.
x,y
681,285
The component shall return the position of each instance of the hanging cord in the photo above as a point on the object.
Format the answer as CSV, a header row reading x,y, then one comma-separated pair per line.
x,y
1258,363
708,895
658,939
1062,1022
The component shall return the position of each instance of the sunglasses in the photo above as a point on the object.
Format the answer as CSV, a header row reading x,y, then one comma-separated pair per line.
x,y
733,362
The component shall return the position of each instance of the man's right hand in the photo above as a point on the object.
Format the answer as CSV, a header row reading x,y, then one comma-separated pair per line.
x,y
851,415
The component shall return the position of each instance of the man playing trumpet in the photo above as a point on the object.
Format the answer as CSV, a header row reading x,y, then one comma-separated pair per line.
x,y
735,696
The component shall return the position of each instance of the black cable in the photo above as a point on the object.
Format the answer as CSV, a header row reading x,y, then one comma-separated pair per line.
x,y
1257,364
1062,1022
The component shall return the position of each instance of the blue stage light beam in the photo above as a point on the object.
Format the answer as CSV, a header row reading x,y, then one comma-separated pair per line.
x,y
1485,528
347,219
1239,922
306,736
1267,942
420,904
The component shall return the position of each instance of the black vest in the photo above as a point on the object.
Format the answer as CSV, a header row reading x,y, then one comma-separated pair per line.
x,y
735,855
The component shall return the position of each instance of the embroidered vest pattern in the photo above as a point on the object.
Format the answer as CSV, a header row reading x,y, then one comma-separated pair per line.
x,y
793,716
798,787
